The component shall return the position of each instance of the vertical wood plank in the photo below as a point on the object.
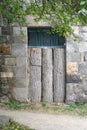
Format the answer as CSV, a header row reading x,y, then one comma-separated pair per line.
x,y
59,75
47,85
35,75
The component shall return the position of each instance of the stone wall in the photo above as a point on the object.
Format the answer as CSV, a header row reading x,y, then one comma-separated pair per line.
x,y
76,71
13,63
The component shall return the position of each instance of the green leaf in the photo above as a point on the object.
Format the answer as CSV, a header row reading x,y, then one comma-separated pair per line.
x,y
82,2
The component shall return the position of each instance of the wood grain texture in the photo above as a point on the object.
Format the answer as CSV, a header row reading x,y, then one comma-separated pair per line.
x,y
35,75
47,76
59,75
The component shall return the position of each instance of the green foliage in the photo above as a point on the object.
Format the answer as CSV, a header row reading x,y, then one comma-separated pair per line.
x,y
12,125
13,11
44,104
61,14
13,104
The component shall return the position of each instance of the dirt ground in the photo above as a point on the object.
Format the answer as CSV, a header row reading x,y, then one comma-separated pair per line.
x,y
43,121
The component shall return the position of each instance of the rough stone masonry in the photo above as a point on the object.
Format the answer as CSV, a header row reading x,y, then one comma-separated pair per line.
x,y
13,63
14,78
76,67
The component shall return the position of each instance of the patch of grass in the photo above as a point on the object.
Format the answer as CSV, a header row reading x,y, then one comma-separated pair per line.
x,y
79,109
56,108
75,109
12,125
13,104
44,104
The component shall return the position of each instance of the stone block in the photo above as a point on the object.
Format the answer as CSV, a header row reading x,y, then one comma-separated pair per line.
x,y
7,85
72,93
3,39
83,29
6,30
31,22
82,57
4,88
82,68
1,19
81,93
70,96
83,36
72,47
6,39
85,57
0,31
76,29
81,98
6,74
17,31
1,61
21,61
77,89
76,93
10,61
5,49
84,77
6,68
20,94
19,49
0,68
35,56
73,57
20,71
72,68
21,82
84,87
4,120
20,39
3,80
83,47
73,79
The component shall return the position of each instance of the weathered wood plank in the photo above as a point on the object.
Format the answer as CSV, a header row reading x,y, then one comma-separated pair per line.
x,y
59,75
35,75
35,56
47,76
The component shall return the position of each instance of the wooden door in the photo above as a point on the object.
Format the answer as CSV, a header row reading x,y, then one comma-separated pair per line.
x,y
46,67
